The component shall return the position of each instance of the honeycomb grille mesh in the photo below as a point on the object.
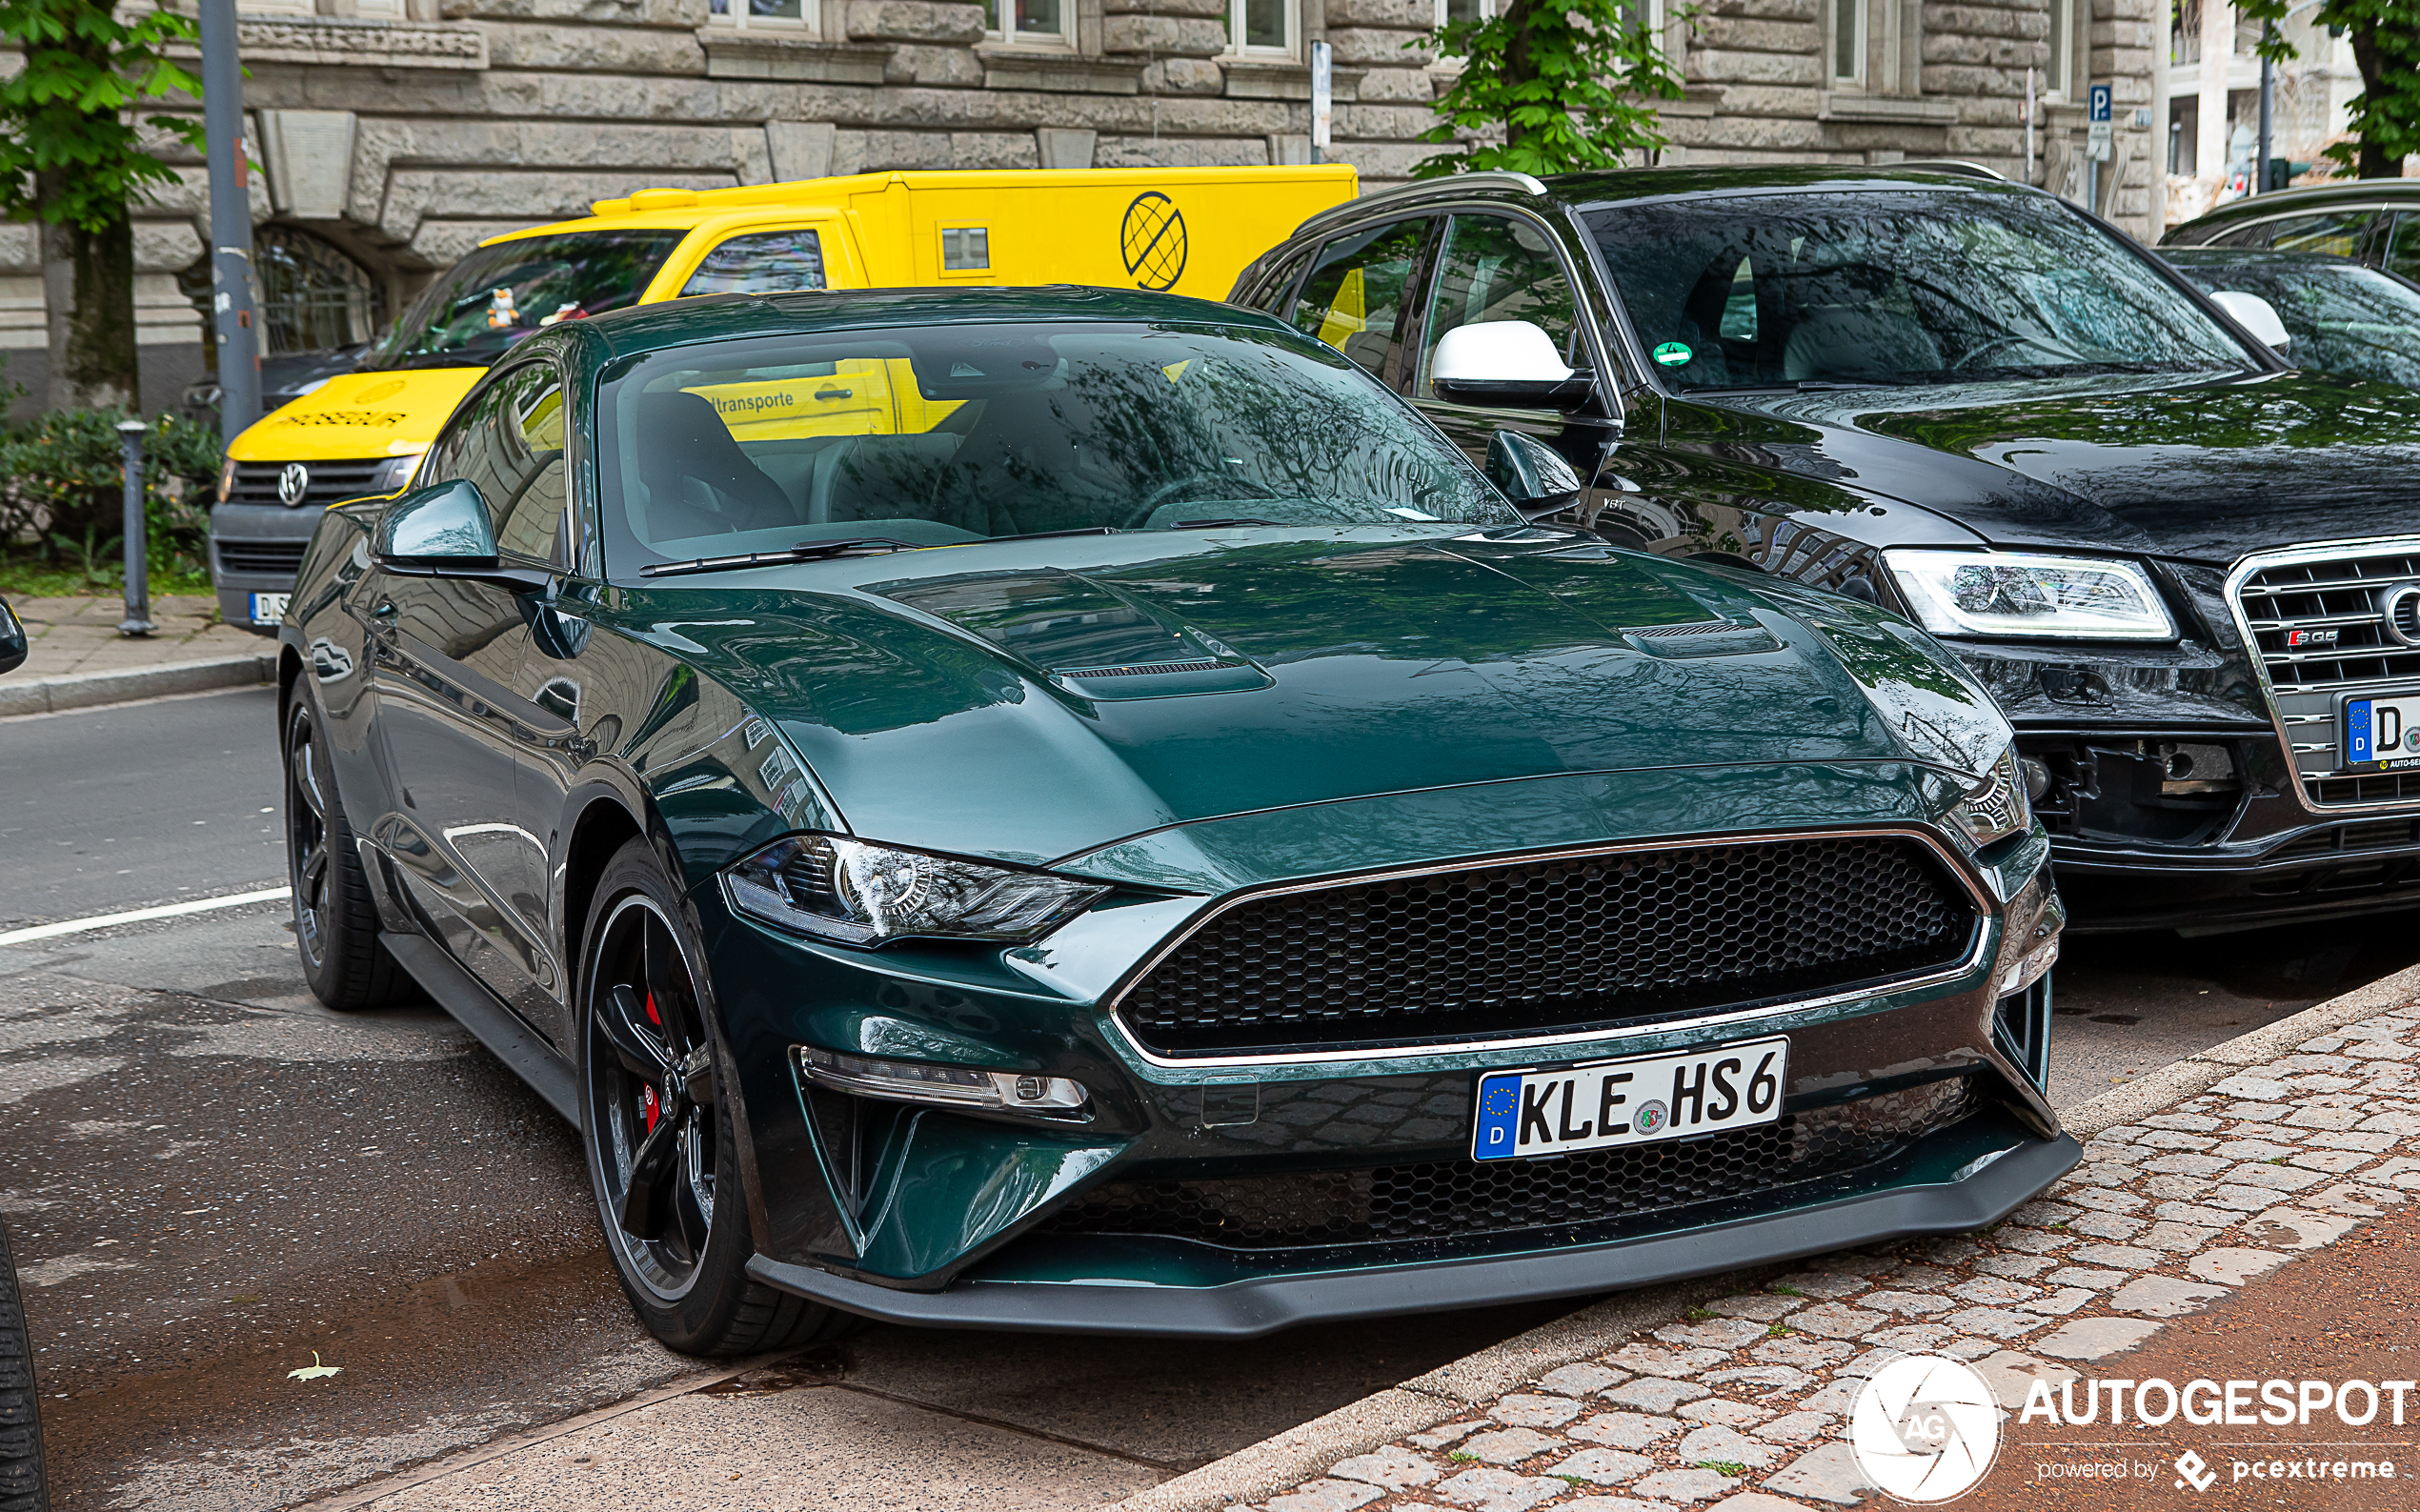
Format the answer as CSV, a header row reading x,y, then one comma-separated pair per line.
x,y
1548,946
1460,1198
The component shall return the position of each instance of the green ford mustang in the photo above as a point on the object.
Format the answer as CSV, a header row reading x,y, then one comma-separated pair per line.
x,y
1062,809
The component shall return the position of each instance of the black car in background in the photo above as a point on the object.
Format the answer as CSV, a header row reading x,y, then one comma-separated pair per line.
x,y
2189,572
2345,318
2374,221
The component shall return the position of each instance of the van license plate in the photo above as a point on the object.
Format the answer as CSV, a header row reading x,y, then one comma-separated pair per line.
x,y
2381,733
1526,1114
269,609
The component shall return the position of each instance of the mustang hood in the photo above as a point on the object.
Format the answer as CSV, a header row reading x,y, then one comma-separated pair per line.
x,y
1033,711
2203,471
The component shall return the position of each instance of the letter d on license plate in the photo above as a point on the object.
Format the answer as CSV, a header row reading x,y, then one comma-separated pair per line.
x,y
1526,1114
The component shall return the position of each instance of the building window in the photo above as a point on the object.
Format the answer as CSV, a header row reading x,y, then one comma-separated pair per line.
x,y
1848,41
1262,27
1464,10
769,15
1027,20
2055,78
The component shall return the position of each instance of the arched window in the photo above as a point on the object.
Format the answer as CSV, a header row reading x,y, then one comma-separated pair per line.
x,y
314,295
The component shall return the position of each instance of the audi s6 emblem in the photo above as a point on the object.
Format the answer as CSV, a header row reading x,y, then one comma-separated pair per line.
x,y
293,483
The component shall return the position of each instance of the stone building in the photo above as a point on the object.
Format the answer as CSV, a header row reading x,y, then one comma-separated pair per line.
x,y
393,134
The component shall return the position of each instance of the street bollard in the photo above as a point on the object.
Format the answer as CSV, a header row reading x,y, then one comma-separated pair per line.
x,y
138,569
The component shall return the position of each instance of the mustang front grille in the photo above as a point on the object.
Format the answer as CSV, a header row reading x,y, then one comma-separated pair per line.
x,y
1545,946
2318,623
1451,1199
326,482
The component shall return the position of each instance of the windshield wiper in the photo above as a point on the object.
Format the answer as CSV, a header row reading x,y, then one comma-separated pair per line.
x,y
803,552
1081,529
1213,525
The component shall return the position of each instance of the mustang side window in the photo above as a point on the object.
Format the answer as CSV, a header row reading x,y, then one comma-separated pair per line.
x,y
765,262
1495,267
1354,299
508,444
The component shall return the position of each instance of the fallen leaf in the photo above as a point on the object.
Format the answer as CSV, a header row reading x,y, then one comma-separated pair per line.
x,y
312,1371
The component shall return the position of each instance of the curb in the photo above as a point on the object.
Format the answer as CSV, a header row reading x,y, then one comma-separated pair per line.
x,y
85,690
1307,1451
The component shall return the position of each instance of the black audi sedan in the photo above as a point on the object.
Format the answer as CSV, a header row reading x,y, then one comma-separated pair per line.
x,y
2189,572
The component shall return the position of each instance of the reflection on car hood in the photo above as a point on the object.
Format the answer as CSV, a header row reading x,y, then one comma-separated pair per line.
x,y
953,709
2196,470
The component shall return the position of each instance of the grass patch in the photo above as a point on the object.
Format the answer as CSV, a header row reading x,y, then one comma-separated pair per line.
x,y
1780,1290
1700,1315
1461,1456
1722,1467
1777,1331
27,575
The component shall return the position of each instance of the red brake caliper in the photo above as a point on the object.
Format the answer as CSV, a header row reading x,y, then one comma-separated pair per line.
x,y
648,1103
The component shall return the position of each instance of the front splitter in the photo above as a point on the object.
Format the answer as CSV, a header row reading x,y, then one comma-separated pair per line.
x,y
1247,1309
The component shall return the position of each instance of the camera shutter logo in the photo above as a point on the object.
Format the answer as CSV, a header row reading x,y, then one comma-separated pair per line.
x,y
292,484
1151,241
1925,1429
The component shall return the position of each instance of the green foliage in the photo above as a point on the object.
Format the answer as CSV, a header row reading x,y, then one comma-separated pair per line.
x,y
65,115
62,499
2385,116
1568,85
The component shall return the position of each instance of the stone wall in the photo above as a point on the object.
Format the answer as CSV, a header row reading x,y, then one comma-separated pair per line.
x,y
406,142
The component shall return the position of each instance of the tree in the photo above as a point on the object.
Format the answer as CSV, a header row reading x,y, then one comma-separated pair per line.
x,y
2386,46
1567,84
71,156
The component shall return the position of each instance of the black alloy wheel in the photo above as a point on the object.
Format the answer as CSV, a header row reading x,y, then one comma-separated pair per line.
x,y
662,1155
22,1485
336,920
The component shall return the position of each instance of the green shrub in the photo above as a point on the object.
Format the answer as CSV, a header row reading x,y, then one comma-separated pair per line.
x,y
62,480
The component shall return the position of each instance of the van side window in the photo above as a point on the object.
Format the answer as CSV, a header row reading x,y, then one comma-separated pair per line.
x,y
763,262
1274,286
1354,296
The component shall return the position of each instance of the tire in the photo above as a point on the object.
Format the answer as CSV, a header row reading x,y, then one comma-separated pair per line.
x,y
646,1028
22,1485
336,920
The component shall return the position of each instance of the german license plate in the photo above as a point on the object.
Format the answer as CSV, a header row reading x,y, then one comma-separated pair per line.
x,y
1526,1114
2381,733
269,609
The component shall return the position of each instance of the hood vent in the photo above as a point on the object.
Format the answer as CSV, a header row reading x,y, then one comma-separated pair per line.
x,y
1144,669
1706,637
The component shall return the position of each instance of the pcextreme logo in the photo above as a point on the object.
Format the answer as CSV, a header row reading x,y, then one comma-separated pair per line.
x,y
1925,1429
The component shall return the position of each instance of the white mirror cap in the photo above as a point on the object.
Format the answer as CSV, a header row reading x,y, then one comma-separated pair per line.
x,y
1500,351
2254,315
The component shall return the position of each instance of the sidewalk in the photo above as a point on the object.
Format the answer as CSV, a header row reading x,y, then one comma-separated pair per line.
x,y
2196,1181
77,658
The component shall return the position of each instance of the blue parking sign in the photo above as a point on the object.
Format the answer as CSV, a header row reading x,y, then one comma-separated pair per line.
x,y
2099,102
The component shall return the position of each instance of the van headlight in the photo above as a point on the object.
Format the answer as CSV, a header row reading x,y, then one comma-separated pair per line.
x,y
861,894
393,474
1998,807
2016,594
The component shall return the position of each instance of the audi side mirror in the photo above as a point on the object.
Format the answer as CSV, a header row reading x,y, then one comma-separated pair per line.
x,y
443,530
1505,365
2256,316
13,645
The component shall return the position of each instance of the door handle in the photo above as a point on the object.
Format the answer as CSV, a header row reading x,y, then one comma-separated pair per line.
x,y
835,393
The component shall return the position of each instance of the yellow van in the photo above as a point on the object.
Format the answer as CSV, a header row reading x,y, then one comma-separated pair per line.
x,y
1190,230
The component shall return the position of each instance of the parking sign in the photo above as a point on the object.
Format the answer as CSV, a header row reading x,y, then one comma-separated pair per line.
x,y
2098,127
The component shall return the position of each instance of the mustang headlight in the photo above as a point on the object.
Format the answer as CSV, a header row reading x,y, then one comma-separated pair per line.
x,y
2012,594
1998,808
860,894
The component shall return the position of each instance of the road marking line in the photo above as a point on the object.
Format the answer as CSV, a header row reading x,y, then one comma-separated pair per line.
x,y
199,905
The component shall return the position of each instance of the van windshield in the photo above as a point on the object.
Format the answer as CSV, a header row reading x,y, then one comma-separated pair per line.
x,y
953,434
482,304
1894,286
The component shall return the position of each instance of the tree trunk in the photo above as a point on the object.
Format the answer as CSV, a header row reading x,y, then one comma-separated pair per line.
x,y
2374,63
1518,69
90,285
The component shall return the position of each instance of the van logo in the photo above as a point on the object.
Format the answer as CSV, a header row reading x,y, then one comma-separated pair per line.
x,y
1152,241
293,483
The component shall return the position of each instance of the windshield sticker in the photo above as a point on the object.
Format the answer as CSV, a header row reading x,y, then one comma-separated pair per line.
x,y
1674,354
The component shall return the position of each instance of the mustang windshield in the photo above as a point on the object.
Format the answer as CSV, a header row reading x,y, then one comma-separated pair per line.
x,y
490,300
960,433
1893,286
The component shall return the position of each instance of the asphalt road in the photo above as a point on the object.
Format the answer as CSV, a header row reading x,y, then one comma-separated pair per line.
x,y
210,1178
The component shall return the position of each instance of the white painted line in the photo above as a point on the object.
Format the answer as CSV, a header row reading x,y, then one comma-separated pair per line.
x,y
199,905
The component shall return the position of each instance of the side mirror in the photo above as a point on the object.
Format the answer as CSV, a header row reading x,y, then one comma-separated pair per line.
x,y
13,645
443,530
2256,316
1505,363
1529,471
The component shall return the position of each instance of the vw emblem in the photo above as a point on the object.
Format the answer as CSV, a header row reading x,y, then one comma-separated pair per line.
x,y
293,483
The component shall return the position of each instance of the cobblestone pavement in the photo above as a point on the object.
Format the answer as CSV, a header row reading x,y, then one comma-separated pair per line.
x,y
75,635
1737,1404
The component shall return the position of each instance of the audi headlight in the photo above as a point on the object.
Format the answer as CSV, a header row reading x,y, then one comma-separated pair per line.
x,y
2012,594
861,894
1998,808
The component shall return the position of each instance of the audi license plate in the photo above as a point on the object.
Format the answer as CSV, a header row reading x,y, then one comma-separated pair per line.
x,y
269,609
1526,1114
2381,733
